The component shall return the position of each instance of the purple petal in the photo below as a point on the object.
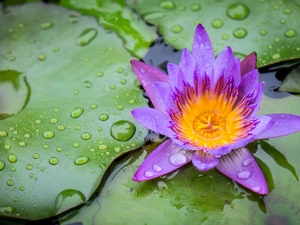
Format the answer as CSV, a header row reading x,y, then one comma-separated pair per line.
x,y
264,123
187,65
154,120
148,75
282,125
175,76
226,64
164,95
241,167
203,51
164,159
248,64
248,83
204,161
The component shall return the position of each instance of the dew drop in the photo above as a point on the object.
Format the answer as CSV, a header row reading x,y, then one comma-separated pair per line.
x,y
120,107
7,209
287,11
123,81
48,134
77,112
42,57
178,159
248,161
120,70
26,135
12,58
102,147
2,165
195,7
100,74
10,182
244,175
36,156
240,33
263,32
16,199
73,19
93,106
217,23
12,157
238,11
81,160
167,5
29,167
225,37
177,29
276,56
256,189
276,40
87,84
55,49
122,130
7,147
156,168
38,121
61,128
86,136
290,33
76,145
86,36
47,25
53,120
53,160
148,174
21,188
117,149
103,117
3,133
22,144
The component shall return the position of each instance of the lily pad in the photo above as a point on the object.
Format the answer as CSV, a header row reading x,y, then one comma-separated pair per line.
x,y
116,16
71,85
270,28
291,82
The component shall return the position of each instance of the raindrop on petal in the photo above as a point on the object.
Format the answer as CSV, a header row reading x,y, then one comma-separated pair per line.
x,y
244,175
156,168
248,161
178,159
148,174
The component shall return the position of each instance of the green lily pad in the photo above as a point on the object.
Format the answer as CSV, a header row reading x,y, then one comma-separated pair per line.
x,y
270,28
115,15
66,84
291,82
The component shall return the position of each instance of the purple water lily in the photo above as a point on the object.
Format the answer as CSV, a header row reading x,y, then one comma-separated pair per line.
x,y
207,107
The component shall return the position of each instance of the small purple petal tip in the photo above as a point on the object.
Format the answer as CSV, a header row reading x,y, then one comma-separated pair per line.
x,y
241,167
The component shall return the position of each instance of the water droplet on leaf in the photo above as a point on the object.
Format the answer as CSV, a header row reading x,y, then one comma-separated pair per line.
x,y
48,134
167,5
290,33
238,11
53,160
122,130
240,33
12,157
81,160
77,112
86,36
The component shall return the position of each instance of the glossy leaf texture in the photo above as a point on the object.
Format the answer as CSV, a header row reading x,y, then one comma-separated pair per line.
x,y
66,92
116,16
188,196
270,28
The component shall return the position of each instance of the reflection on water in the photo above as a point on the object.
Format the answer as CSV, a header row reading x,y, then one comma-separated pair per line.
x,y
14,93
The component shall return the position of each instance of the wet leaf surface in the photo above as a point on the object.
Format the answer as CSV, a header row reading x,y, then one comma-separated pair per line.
x,y
116,16
270,28
66,83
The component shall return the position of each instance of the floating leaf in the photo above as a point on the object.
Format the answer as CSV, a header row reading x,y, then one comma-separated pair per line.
x,y
291,82
114,15
270,28
67,83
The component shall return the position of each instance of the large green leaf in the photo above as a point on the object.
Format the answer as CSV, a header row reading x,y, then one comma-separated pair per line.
x,y
271,28
66,93
189,196
291,82
114,15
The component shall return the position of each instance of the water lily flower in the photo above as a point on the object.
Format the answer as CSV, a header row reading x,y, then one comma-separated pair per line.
x,y
207,108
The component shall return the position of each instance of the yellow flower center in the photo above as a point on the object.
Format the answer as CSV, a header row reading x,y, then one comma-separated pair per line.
x,y
211,119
